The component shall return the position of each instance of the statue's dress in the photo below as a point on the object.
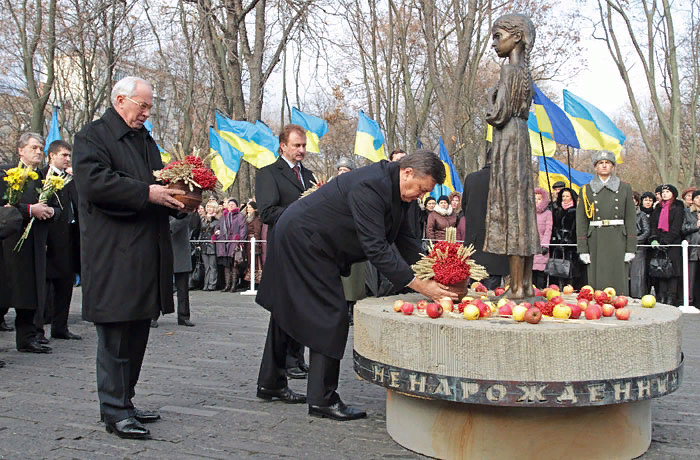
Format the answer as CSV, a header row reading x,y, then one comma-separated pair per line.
x,y
511,219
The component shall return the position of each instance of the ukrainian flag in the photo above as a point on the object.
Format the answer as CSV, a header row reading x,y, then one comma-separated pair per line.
x,y
452,181
595,131
164,156
369,142
259,147
226,161
54,130
559,171
553,120
535,143
315,128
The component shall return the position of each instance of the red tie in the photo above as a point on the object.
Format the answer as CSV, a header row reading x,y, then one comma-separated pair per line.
x,y
297,169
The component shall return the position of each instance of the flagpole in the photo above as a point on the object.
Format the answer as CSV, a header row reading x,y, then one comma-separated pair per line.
x,y
568,160
546,169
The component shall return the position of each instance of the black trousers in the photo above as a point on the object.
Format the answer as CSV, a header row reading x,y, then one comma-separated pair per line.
x,y
59,292
120,350
182,287
25,331
324,371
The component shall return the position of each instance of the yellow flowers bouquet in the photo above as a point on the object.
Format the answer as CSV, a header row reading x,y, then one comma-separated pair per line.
x,y
52,184
17,180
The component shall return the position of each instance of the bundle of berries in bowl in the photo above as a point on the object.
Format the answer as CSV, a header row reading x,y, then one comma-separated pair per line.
x,y
448,262
190,174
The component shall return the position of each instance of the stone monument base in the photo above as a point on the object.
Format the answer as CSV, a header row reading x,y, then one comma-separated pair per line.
x,y
452,430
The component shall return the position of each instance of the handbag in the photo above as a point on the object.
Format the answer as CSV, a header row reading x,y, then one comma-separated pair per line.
x,y
197,275
661,266
559,267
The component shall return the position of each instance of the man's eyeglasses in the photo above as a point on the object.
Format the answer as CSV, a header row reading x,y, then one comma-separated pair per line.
x,y
143,105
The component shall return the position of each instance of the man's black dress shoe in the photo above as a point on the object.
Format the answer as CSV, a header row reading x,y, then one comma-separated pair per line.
x,y
67,336
6,327
146,416
129,428
154,323
2,363
337,411
283,394
34,347
41,339
185,322
295,373
304,367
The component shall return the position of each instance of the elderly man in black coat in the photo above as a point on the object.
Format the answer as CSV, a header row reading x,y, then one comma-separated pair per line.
x,y
10,223
277,186
126,254
355,217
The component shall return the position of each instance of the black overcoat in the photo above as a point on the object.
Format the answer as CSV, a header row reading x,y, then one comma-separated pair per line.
x,y
25,271
474,204
126,254
676,217
355,217
180,238
276,187
59,242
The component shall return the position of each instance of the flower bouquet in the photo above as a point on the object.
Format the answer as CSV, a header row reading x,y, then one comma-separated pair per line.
x,y
51,184
190,174
449,263
17,181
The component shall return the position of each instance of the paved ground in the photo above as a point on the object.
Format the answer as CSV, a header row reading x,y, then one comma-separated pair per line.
x,y
203,381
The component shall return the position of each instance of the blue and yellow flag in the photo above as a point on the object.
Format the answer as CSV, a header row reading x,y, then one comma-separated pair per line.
x,y
553,120
258,146
164,156
369,141
452,181
226,161
54,130
315,128
535,142
559,171
595,131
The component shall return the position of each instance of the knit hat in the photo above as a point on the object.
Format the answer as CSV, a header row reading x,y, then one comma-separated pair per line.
x,y
559,184
696,193
647,195
658,189
427,200
601,155
670,187
345,163
443,197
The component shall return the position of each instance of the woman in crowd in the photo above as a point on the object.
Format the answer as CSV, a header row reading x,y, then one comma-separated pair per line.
x,y
456,204
564,232
232,226
646,204
206,232
666,224
688,196
544,226
691,228
428,206
442,217
638,285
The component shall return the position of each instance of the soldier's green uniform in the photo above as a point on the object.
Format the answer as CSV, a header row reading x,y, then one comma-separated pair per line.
x,y
606,229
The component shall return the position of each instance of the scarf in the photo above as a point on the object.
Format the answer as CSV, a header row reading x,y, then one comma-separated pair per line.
x,y
663,217
646,211
567,205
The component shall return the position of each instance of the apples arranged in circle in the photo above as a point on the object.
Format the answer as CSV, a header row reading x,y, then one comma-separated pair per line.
x,y
533,315
407,308
434,310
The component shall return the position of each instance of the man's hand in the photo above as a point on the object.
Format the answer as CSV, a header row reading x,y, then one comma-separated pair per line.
x,y
629,256
432,289
41,211
585,258
157,194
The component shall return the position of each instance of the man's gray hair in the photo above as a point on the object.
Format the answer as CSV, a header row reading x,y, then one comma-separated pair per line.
x,y
127,87
26,137
425,162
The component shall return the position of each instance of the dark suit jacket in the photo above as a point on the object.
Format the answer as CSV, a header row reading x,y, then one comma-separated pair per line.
x,y
59,243
276,187
355,217
474,203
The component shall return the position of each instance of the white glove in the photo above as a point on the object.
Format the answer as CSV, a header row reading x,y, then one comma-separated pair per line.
x,y
585,258
629,256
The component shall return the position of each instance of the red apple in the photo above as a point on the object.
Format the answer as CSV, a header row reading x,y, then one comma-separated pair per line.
x,y
533,315
622,313
447,304
601,297
499,291
608,310
434,310
422,304
593,312
557,299
480,288
582,305
620,301
397,305
407,308
575,310
506,310
484,309
538,292
554,286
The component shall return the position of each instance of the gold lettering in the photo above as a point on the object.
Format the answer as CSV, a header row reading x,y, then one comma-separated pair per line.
x,y
468,389
414,382
644,387
378,373
532,393
619,391
501,392
661,384
443,388
394,379
596,392
568,395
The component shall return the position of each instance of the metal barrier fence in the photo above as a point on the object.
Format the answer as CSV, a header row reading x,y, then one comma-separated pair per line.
x,y
685,308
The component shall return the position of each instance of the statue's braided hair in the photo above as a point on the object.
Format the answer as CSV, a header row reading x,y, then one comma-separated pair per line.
x,y
513,23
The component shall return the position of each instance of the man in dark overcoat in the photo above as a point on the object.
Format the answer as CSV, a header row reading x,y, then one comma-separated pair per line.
x,y
26,269
60,266
10,223
474,201
355,217
276,187
126,254
182,267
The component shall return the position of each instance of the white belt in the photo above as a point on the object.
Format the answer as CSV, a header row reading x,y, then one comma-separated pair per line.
x,y
607,223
